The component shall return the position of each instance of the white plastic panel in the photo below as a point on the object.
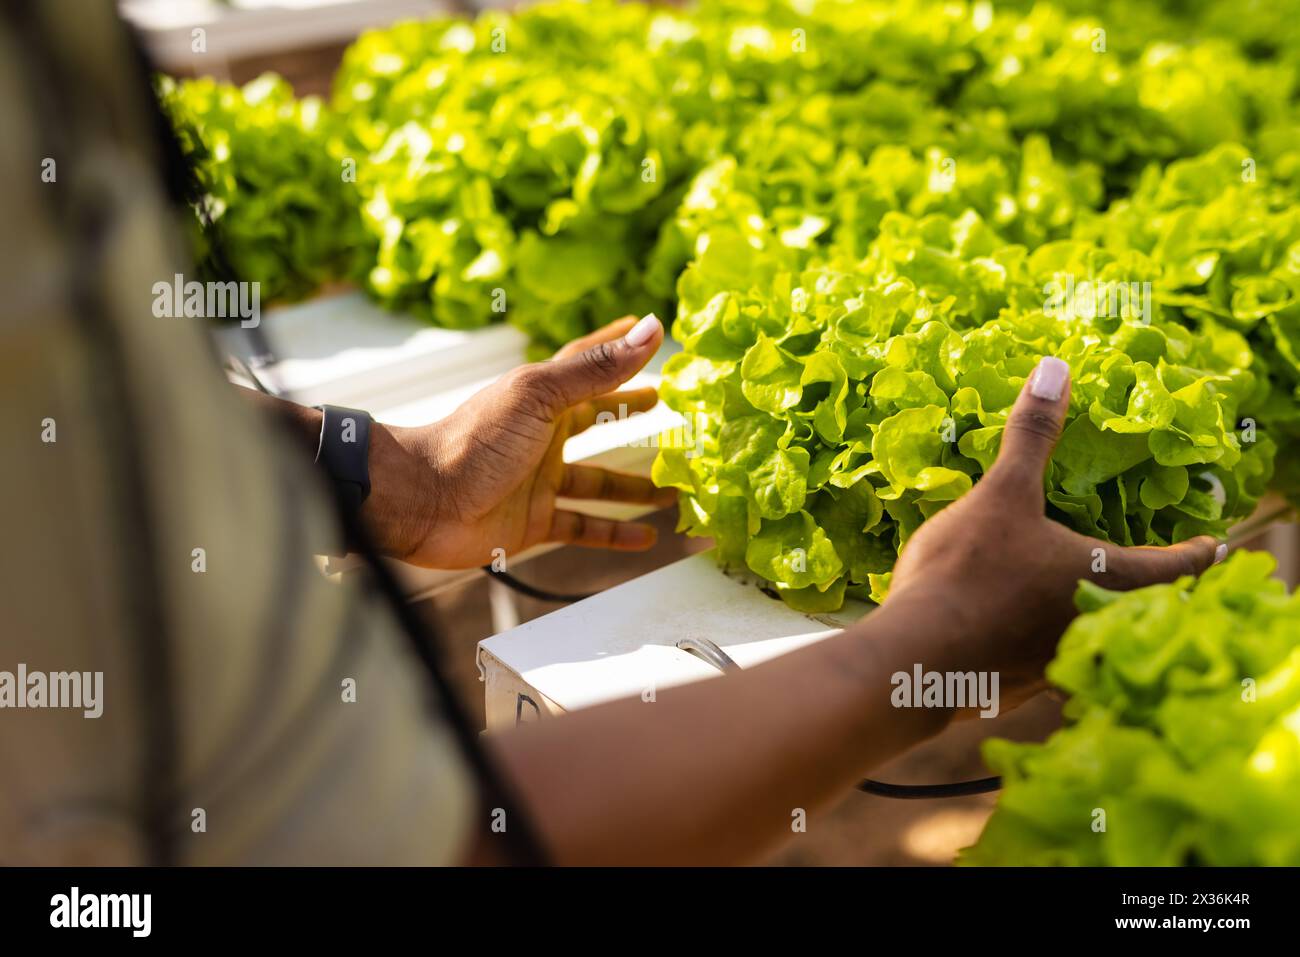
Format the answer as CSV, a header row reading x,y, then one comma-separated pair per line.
x,y
622,642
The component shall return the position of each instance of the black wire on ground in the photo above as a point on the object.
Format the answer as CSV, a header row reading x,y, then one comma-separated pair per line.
x,y
917,792
510,581
708,651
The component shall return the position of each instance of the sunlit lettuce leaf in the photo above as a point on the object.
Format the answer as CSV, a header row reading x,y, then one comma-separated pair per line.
x,y
1182,741
852,370
279,211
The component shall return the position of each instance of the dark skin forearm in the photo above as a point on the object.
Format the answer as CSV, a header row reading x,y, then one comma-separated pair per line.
x,y
712,772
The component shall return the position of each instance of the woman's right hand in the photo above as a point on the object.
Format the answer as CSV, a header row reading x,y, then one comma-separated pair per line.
x,y
1003,572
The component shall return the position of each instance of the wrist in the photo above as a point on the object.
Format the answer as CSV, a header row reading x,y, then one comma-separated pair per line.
x,y
307,422
400,511
944,622
925,628
866,657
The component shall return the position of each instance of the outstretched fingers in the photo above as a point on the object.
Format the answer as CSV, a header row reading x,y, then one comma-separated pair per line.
x,y
606,485
575,528
611,406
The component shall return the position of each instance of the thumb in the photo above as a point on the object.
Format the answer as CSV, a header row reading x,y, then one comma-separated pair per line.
x,y
569,379
1033,428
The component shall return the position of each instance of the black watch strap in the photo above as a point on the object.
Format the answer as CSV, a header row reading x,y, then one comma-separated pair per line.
x,y
344,452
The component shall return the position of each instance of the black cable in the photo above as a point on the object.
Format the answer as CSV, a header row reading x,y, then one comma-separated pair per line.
x,y
510,581
916,792
710,652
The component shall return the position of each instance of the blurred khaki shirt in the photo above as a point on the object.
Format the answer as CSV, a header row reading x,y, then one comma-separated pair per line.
x,y
242,666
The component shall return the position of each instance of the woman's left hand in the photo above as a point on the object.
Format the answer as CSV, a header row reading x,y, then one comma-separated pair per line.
x,y
487,477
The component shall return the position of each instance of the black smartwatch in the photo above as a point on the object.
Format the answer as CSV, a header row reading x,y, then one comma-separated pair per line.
x,y
344,452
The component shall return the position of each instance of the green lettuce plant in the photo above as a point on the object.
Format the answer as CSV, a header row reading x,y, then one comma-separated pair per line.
x,y
280,213
835,407
518,167
529,166
1225,229
983,207
1182,736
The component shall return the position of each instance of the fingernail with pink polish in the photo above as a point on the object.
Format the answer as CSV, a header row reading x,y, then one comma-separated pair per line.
x,y
643,331
1221,552
1048,380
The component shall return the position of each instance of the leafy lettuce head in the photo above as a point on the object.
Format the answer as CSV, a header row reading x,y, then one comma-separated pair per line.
x,y
1182,742
840,406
